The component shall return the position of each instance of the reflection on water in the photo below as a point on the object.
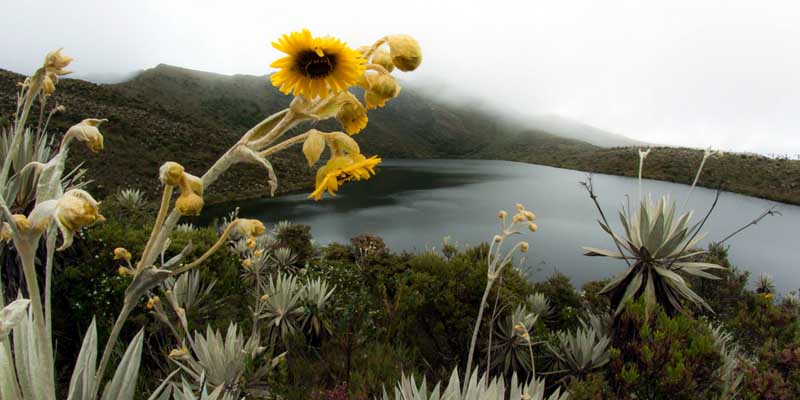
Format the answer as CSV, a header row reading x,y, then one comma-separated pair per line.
x,y
413,204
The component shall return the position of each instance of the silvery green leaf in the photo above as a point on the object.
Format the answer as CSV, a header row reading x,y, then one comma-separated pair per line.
x,y
595,252
82,383
123,384
630,291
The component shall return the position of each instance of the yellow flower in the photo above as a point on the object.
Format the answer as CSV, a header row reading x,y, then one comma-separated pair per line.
x,y
55,62
265,298
247,263
75,210
179,354
529,215
122,271
382,88
502,214
258,253
340,169
352,115
86,131
405,51
122,254
523,247
251,243
533,227
315,67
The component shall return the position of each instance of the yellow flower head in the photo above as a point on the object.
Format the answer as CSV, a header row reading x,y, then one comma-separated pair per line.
x,y
340,169
55,62
382,88
249,227
75,210
523,247
194,182
533,227
190,202
405,51
502,214
265,298
519,328
122,254
87,131
258,253
315,67
122,271
529,215
247,263
352,115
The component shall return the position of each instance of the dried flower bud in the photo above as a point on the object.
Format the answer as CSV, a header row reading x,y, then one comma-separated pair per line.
x,y
502,214
523,247
179,354
520,207
75,210
405,51
533,227
265,298
382,58
529,215
122,254
122,271
352,116
520,328
498,238
171,173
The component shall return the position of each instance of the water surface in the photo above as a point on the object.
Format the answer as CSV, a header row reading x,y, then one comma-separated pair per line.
x,y
414,204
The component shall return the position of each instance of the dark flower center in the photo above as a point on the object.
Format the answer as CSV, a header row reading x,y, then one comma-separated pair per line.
x,y
313,66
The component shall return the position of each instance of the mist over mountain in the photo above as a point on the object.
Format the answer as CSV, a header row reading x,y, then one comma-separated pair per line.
x,y
172,113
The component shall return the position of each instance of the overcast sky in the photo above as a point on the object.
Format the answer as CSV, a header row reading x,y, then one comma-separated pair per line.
x,y
697,73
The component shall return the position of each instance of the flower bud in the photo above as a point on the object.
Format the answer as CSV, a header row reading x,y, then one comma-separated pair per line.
x,y
405,52
122,271
151,302
48,86
122,254
247,263
75,210
171,173
382,88
189,203
502,214
179,354
382,58
265,298
498,238
22,222
353,116
258,253
251,243
529,215
533,227
523,247
249,227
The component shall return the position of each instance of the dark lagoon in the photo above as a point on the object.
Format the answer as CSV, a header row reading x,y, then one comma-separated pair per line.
x,y
414,204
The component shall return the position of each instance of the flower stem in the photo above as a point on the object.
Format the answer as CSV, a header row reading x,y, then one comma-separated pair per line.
x,y
112,340
162,213
474,340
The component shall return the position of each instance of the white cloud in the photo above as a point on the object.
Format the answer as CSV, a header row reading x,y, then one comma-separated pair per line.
x,y
700,73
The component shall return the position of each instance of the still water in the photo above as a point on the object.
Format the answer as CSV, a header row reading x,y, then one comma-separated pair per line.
x,y
414,204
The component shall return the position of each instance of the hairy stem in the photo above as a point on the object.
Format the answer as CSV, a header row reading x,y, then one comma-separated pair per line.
x,y
112,340
162,214
474,339
210,251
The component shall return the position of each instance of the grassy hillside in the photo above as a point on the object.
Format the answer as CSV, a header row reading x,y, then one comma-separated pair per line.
x,y
171,113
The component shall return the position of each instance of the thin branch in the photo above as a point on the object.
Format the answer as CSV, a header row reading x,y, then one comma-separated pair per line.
x,y
771,211
587,184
